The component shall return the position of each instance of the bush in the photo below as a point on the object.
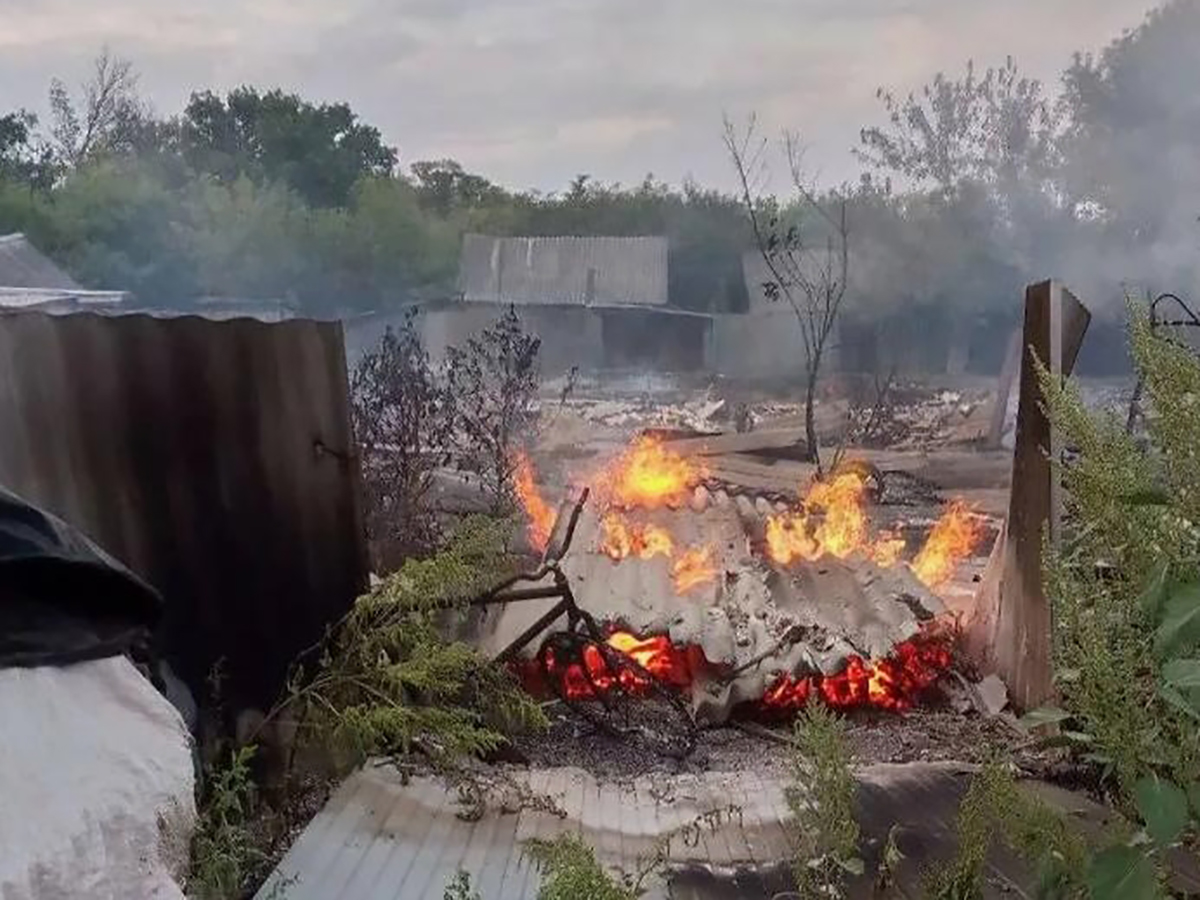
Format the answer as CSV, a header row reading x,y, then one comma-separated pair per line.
x,y
402,425
1123,584
389,683
821,799
493,382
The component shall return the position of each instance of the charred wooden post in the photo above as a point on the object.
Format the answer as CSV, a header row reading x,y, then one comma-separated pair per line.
x,y
1011,630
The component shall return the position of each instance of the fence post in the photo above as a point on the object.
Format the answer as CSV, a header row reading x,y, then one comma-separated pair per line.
x,y
1010,631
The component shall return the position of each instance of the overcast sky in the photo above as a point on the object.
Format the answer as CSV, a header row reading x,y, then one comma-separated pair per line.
x,y
532,92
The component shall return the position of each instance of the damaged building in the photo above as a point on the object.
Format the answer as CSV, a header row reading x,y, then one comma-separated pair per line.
x,y
598,303
30,281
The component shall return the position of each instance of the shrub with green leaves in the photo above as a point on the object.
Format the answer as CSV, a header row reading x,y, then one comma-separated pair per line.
x,y
995,811
223,849
570,871
1125,590
390,682
821,799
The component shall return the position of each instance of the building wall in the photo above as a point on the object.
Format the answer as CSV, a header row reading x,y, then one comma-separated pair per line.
x,y
570,336
761,346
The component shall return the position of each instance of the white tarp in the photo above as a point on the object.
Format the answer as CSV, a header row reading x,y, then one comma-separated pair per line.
x,y
96,785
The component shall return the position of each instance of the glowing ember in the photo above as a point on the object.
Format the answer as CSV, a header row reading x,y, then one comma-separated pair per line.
x,y
656,654
541,515
648,475
954,537
833,521
893,683
620,539
694,568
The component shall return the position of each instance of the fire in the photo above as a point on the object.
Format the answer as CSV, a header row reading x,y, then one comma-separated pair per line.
x,y
541,515
656,654
953,538
694,568
649,475
620,539
833,521
888,547
893,683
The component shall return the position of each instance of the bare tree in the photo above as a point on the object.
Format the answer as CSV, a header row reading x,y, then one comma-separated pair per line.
x,y
810,276
402,422
106,117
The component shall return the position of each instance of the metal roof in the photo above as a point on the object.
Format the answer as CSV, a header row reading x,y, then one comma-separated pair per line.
x,y
581,271
381,838
24,266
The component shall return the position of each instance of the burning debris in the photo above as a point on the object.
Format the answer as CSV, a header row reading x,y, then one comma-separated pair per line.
x,y
742,606
648,476
539,512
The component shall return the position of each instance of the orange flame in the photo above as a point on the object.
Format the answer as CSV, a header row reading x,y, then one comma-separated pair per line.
x,y
649,475
694,568
954,537
893,683
833,521
620,539
541,515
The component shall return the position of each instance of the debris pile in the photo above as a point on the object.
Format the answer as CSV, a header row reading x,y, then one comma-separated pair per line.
x,y
746,605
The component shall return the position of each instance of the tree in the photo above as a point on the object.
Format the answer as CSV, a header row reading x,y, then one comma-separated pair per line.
x,y
318,150
114,225
402,424
23,159
981,157
1130,169
809,277
492,382
996,130
246,240
108,117
444,186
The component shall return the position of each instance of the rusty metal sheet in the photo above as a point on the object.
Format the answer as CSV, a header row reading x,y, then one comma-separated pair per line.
x,y
214,458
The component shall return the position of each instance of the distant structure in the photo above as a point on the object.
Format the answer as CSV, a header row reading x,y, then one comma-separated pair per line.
x,y
30,281
596,302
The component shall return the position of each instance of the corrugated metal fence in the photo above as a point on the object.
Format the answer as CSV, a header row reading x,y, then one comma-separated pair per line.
x,y
213,458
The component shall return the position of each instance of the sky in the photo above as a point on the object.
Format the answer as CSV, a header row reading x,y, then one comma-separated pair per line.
x,y
533,92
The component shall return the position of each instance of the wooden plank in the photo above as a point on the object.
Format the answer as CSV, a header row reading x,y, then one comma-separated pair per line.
x,y
1011,630
774,439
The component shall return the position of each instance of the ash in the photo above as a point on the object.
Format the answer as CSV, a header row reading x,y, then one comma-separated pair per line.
x,y
925,734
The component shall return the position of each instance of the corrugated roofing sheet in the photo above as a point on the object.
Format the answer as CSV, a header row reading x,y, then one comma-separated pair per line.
x,y
23,266
378,838
564,270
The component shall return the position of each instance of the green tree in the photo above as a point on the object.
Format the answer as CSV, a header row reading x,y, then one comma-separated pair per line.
x,y
1130,149
246,240
23,160
444,186
318,150
114,225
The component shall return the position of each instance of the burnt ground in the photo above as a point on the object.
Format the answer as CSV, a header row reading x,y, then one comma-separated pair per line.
x,y
926,734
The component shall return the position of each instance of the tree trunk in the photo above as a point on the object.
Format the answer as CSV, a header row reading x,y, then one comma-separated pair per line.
x,y
810,423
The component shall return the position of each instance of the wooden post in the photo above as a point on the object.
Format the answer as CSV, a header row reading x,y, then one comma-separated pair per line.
x,y
1010,632
1008,374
